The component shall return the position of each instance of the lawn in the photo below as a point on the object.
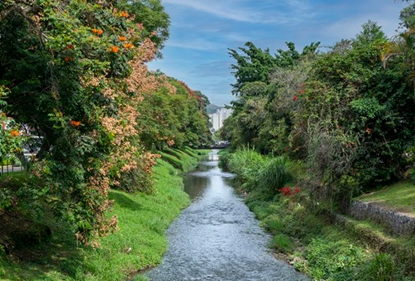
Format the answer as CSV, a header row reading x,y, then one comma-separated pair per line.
x,y
399,197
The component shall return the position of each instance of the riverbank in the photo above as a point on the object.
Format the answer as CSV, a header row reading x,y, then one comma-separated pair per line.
x,y
140,242
308,233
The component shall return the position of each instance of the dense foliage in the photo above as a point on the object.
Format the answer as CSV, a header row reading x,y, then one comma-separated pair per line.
x,y
73,74
347,113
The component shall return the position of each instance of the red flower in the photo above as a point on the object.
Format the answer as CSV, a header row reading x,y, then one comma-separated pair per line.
x,y
294,98
286,191
3,125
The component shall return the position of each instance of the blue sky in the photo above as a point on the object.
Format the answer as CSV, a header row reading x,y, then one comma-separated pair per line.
x,y
201,32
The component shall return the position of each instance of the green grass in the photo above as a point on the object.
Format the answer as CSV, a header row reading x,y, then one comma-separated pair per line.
x,y
185,159
282,243
399,196
143,219
140,242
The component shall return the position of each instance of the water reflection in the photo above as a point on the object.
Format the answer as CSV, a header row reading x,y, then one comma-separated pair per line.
x,y
217,237
194,186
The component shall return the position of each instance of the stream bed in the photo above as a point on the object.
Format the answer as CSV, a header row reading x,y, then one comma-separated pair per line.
x,y
217,237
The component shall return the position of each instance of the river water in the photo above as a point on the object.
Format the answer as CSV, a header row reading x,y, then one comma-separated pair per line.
x,y
217,237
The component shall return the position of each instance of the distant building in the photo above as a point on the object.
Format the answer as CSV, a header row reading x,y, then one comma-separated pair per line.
x,y
217,118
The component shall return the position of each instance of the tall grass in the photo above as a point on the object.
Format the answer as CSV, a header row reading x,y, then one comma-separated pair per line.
x,y
246,163
257,172
275,174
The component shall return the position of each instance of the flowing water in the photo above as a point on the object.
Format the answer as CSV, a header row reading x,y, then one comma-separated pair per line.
x,y
217,237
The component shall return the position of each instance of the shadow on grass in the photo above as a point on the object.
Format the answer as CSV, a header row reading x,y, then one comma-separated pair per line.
x,y
123,201
60,258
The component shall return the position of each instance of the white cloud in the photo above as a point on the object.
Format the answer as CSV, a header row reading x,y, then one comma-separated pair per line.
x,y
237,11
197,44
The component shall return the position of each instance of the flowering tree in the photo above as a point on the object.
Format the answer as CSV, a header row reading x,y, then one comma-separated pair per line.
x,y
76,73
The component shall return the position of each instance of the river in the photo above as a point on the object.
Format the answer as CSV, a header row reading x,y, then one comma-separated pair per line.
x,y
217,237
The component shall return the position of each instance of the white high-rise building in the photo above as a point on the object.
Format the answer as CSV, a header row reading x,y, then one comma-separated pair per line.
x,y
217,118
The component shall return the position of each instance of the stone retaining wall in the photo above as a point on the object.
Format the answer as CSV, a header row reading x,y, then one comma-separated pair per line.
x,y
398,223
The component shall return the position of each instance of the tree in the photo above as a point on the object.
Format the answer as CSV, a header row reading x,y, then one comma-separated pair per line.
x,y
362,105
151,14
256,119
75,70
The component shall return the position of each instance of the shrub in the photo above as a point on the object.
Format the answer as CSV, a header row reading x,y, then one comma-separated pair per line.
x,y
136,180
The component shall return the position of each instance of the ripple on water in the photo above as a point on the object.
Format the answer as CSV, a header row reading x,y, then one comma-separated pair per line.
x,y
218,238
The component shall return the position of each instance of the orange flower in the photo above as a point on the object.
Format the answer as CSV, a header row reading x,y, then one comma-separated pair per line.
x,y
128,46
14,133
114,49
122,38
124,14
68,58
75,123
97,31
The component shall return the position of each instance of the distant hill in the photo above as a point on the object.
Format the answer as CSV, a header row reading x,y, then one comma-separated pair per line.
x,y
211,108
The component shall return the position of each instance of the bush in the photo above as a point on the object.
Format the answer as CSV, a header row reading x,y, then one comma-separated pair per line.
x,y
136,180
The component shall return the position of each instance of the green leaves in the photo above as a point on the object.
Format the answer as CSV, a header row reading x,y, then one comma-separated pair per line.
x,y
342,112
367,108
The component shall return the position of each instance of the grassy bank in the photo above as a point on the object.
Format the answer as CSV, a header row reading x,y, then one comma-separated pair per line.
x,y
139,244
398,197
307,234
